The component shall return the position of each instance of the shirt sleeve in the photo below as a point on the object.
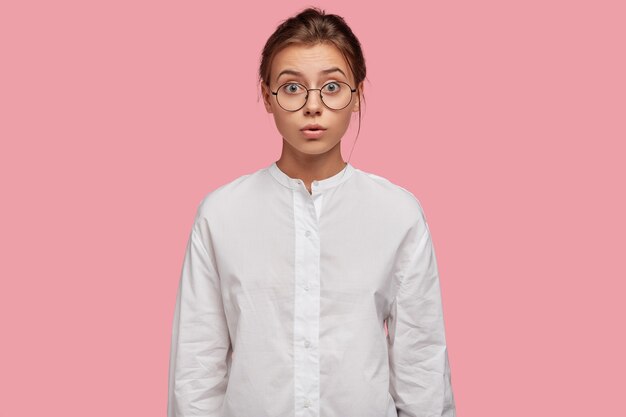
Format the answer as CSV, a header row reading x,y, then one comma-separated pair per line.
x,y
200,344
420,380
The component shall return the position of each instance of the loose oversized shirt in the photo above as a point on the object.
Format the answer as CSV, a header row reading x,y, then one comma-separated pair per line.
x,y
320,304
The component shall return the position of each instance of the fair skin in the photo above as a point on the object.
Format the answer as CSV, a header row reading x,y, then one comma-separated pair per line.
x,y
303,157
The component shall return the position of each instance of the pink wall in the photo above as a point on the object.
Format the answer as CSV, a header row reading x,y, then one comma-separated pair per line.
x,y
506,120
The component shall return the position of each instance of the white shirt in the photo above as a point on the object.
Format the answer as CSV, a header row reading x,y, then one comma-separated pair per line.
x,y
284,295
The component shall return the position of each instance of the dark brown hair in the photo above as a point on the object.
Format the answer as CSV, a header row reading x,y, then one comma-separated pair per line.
x,y
310,27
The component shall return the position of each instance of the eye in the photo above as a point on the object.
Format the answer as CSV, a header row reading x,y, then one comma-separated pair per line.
x,y
331,87
293,88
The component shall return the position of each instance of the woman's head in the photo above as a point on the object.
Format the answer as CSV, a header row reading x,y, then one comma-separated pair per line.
x,y
312,50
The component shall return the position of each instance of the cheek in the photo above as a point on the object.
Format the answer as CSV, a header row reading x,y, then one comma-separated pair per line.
x,y
342,120
284,124
282,120
346,116
342,124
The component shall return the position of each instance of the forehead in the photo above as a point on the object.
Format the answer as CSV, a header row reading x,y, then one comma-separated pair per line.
x,y
309,60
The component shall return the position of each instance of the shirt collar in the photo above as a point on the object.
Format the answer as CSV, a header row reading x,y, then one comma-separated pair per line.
x,y
320,185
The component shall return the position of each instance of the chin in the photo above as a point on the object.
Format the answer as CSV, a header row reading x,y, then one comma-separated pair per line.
x,y
313,146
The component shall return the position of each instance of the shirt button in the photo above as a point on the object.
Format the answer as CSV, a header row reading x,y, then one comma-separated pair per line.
x,y
307,233
306,286
307,403
307,343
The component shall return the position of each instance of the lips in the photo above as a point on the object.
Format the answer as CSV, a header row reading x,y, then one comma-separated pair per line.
x,y
312,127
313,131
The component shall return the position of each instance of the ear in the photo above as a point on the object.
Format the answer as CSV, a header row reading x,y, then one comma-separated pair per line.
x,y
359,96
267,97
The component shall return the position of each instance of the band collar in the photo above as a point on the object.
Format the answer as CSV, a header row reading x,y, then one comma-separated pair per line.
x,y
319,185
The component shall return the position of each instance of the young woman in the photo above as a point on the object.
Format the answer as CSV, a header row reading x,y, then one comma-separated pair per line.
x,y
310,287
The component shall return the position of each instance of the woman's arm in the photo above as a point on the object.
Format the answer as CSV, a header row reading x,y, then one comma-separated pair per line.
x,y
420,380
200,338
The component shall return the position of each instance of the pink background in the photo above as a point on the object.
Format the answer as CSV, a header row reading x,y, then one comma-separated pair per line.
x,y
506,119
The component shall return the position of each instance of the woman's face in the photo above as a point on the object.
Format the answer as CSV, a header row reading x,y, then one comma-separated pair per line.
x,y
315,66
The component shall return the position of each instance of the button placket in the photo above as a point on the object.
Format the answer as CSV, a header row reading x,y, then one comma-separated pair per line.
x,y
307,304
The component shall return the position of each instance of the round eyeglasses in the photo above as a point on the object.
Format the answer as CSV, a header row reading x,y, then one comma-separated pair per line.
x,y
335,95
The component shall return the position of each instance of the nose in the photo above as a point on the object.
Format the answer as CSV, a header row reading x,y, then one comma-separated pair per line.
x,y
313,103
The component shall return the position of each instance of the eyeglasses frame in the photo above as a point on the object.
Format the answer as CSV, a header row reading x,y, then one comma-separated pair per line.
x,y
275,93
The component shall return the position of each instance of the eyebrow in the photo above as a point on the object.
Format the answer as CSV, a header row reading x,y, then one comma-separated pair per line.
x,y
326,71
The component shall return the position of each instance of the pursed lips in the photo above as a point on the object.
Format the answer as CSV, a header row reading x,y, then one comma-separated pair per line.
x,y
312,128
